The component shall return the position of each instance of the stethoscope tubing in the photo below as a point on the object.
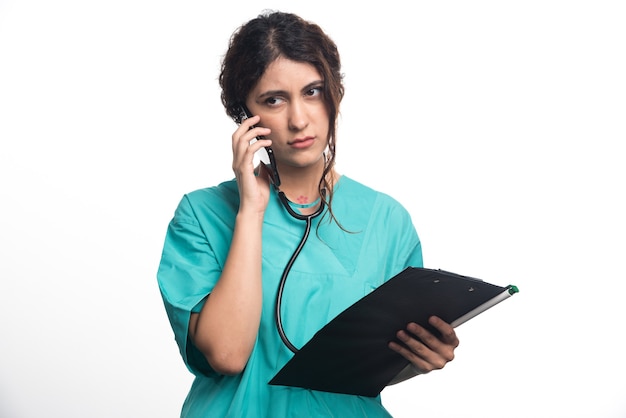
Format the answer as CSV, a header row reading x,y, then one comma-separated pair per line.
x,y
292,259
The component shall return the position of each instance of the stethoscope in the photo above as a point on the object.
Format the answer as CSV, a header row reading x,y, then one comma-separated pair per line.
x,y
272,169
281,287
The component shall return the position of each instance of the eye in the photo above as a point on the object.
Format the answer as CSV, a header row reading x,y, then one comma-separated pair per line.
x,y
273,101
313,92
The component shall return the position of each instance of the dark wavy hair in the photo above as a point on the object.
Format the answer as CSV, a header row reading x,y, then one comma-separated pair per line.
x,y
259,42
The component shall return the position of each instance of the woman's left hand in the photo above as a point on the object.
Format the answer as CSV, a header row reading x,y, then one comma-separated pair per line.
x,y
423,349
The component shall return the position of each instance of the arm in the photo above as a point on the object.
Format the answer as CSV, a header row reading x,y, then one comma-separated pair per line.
x,y
226,328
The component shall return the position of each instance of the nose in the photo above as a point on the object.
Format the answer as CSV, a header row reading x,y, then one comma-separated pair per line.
x,y
298,116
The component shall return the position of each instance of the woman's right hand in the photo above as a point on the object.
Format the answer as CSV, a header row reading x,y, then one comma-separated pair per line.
x,y
253,182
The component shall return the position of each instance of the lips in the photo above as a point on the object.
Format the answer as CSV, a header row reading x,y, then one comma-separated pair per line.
x,y
302,142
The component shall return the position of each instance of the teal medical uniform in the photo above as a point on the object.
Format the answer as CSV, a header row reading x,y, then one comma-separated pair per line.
x,y
334,270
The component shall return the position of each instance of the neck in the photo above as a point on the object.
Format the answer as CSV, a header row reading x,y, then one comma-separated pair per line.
x,y
300,185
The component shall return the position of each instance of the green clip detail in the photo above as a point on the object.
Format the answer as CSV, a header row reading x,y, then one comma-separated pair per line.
x,y
513,289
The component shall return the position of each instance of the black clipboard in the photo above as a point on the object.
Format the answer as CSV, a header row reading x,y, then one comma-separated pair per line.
x,y
351,355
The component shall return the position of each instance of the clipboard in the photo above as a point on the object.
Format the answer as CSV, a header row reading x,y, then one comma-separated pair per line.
x,y
350,354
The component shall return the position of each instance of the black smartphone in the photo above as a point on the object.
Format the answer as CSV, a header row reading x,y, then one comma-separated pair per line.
x,y
265,154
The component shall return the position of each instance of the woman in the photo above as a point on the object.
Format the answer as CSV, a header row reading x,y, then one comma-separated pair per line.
x,y
228,246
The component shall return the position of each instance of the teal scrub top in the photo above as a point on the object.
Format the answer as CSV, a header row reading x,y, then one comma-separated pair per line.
x,y
335,268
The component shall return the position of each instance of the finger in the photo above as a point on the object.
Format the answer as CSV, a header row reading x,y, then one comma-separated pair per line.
x,y
245,140
420,364
244,145
439,351
262,172
427,348
256,143
249,122
448,335
243,127
246,131
444,349
417,346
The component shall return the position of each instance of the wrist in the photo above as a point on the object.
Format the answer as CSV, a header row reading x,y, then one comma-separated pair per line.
x,y
250,218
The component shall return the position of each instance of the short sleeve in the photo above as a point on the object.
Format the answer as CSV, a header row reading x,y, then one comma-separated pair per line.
x,y
404,248
410,246
187,274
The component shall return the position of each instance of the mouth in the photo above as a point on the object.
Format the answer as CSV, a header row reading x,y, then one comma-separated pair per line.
x,y
303,142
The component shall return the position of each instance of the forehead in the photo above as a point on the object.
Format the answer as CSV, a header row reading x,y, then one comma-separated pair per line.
x,y
287,75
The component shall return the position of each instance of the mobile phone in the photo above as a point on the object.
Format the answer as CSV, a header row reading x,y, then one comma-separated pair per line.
x,y
265,154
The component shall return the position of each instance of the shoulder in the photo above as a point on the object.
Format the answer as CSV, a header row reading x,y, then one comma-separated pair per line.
x,y
355,191
357,206
223,191
201,203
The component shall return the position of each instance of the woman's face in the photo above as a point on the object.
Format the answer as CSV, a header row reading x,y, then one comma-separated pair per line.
x,y
289,99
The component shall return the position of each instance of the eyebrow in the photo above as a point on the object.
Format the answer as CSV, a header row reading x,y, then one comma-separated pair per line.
x,y
270,93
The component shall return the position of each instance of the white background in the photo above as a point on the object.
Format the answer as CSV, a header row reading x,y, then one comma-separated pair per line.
x,y
499,125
